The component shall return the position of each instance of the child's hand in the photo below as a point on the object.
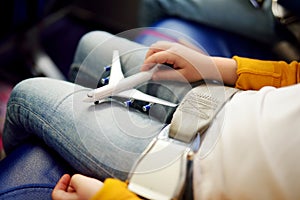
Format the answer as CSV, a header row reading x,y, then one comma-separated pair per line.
x,y
187,62
77,187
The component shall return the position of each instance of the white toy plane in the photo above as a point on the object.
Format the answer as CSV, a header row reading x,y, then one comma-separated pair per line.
x,y
120,86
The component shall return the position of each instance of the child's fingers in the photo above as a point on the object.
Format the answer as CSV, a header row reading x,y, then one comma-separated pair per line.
x,y
171,74
63,182
60,190
157,47
162,57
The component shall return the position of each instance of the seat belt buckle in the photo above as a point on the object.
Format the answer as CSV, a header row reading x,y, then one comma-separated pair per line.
x,y
161,171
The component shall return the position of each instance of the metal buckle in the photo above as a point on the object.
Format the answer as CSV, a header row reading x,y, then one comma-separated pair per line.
x,y
161,171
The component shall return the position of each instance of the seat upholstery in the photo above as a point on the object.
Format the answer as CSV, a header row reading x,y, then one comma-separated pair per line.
x,y
30,172
213,41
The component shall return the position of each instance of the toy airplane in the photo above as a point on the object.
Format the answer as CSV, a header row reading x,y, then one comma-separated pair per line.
x,y
118,85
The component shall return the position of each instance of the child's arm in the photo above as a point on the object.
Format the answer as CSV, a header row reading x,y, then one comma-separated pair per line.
x,y
244,73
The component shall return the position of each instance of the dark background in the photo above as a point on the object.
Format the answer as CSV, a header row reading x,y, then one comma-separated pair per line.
x,y
54,28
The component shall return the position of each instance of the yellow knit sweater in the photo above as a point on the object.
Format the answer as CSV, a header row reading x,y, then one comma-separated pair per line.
x,y
254,74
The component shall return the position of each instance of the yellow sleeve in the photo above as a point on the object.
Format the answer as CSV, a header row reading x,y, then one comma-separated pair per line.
x,y
114,189
254,74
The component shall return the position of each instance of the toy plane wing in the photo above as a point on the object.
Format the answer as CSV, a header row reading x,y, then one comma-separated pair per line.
x,y
138,95
120,86
116,73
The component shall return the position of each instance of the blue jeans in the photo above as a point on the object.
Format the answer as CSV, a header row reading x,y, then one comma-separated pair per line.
x,y
102,140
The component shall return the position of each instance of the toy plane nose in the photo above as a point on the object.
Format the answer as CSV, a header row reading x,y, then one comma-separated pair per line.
x,y
90,94
89,97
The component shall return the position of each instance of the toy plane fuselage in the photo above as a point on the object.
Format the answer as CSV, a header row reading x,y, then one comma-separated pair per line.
x,y
124,87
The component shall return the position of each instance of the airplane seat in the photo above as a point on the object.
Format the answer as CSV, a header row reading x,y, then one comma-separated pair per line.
x,y
32,170
21,35
216,41
213,41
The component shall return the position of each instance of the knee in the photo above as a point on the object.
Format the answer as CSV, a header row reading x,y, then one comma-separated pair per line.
x,y
94,37
24,88
20,96
29,90
88,42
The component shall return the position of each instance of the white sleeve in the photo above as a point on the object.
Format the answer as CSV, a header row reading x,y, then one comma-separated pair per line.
x,y
257,152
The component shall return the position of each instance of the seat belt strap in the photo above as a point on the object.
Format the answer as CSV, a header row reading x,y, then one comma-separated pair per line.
x,y
161,171
197,109
164,167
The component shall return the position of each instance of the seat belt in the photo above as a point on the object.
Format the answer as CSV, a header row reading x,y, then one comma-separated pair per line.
x,y
164,167
197,109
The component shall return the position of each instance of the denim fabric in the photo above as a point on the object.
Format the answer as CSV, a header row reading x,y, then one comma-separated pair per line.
x,y
97,140
37,192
